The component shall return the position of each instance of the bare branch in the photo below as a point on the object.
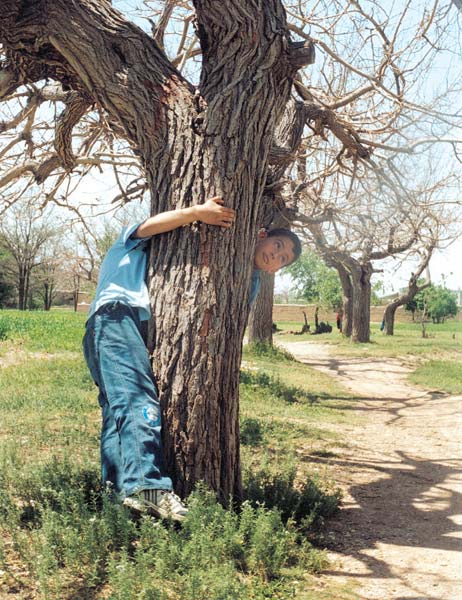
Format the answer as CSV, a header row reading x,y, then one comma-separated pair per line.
x,y
76,107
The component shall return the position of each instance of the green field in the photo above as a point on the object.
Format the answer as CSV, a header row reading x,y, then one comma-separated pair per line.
x,y
63,539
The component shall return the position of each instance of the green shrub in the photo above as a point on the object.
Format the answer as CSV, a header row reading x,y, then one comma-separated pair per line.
x,y
308,504
265,350
73,530
251,431
276,387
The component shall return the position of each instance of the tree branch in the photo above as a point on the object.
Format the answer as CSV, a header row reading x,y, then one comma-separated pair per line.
x,y
158,31
89,47
76,107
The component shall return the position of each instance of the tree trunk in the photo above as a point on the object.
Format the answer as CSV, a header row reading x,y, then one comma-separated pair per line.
x,y
47,295
389,317
361,282
347,288
260,328
199,283
274,215
22,290
390,310
76,292
27,292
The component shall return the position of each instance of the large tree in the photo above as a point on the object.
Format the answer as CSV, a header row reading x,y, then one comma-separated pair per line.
x,y
193,143
124,105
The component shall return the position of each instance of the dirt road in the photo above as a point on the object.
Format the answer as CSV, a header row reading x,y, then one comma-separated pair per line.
x,y
399,533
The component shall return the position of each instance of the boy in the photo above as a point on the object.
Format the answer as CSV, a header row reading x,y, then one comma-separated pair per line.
x,y
131,448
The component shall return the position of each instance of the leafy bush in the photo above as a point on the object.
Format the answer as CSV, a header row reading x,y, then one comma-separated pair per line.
x,y
307,504
437,301
251,432
75,535
276,387
265,350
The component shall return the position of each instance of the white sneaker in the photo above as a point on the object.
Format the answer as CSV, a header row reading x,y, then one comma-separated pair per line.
x,y
160,503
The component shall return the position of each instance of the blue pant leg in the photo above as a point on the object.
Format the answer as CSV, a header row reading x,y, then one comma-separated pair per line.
x,y
128,382
110,450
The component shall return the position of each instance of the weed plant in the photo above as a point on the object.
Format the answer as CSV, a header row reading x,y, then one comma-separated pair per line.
x,y
307,503
69,534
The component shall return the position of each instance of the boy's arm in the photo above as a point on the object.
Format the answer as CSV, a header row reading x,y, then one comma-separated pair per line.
x,y
211,212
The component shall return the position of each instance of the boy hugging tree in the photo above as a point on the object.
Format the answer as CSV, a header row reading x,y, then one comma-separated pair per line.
x,y
131,446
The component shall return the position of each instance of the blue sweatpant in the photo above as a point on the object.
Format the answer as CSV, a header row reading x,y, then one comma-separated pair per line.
x,y
131,443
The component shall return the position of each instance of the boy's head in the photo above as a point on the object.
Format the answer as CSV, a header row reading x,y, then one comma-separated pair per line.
x,y
276,249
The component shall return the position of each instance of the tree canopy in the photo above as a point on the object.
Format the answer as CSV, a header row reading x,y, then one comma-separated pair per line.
x,y
436,302
315,281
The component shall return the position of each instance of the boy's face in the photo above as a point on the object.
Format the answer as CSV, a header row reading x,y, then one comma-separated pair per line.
x,y
273,253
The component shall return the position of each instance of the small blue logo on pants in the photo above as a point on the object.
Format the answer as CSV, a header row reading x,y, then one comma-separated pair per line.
x,y
151,415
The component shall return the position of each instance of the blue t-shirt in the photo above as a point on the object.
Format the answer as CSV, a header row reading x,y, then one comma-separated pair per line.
x,y
255,284
122,274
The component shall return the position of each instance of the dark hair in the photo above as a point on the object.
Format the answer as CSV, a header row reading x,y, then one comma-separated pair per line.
x,y
281,232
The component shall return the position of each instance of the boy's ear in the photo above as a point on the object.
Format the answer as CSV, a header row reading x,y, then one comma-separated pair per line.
x,y
262,234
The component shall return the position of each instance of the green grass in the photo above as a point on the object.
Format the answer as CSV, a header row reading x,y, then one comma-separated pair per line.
x,y
445,340
443,375
42,331
64,539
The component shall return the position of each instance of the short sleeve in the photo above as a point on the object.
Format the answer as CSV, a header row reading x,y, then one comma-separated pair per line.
x,y
130,242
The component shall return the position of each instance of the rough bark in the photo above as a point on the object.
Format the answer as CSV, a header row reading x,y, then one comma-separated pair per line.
x,y
361,283
193,144
347,288
389,316
412,290
22,291
260,328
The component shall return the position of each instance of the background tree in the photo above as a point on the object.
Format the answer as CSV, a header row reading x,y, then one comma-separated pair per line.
x,y
23,234
438,302
6,282
315,282
407,296
49,270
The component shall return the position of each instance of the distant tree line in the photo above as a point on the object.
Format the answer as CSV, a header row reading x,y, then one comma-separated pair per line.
x,y
42,259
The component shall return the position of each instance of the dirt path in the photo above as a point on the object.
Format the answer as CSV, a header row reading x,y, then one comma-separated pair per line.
x,y
399,533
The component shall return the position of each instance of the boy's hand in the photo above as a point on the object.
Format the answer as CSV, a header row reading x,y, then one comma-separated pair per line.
x,y
213,212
